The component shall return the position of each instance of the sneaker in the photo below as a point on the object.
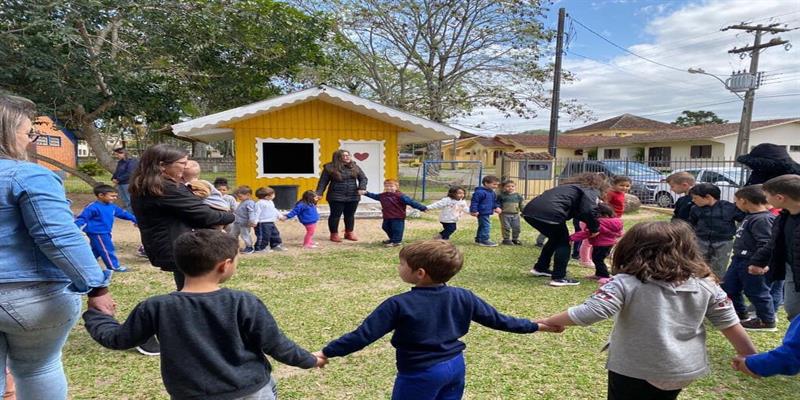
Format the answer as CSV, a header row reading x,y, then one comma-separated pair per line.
x,y
390,244
745,316
536,272
756,324
247,250
119,269
140,252
150,348
539,245
564,282
260,250
506,242
387,241
517,242
602,281
278,248
311,246
487,243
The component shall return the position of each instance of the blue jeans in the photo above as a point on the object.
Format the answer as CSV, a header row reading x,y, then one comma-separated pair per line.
x,y
267,235
35,319
447,229
791,297
394,228
484,226
443,381
268,392
125,197
776,291
738,280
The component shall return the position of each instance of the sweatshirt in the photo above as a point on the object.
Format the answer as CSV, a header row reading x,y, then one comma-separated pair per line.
x,y
393,205
484,201
306,213
715,223
754,232
452,209
610,231
212,344
267,211
683,206
563,203
98,217
246,213
510,203
617,201
783,360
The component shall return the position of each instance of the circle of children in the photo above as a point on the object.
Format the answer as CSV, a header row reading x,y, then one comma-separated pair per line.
x,y
664,280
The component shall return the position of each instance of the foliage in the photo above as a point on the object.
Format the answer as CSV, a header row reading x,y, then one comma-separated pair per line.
x,y
92,168
694,118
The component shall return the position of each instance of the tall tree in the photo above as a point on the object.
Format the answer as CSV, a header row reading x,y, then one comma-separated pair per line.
x,y
694,118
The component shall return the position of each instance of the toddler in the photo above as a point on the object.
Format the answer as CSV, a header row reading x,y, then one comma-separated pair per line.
x,y
483,205
203,189
246,218
610,230
510,205
268,238
453,207
393,208
682,183
306,212
714,223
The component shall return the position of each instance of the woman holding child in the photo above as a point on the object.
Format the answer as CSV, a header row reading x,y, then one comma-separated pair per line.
x,y
345,182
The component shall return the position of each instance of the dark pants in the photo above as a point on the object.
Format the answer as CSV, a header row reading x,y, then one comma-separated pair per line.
x,y
267,234
576,247
556,247
442,381
447,229
755,287
484,228
394,228
599,254
621,387
348,208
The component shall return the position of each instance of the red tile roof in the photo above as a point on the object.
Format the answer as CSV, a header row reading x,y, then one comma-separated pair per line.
x,y
564,141
528,156
624,122
709,131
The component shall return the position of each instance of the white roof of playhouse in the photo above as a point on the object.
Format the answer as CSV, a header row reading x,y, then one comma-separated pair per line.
x,y
420,130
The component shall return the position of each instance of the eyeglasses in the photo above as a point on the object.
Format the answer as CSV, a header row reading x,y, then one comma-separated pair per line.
x,y
34,135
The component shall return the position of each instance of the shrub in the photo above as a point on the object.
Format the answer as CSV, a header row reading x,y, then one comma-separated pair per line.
x,y
91,168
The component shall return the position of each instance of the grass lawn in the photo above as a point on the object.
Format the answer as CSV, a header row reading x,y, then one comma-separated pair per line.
x,y
318,295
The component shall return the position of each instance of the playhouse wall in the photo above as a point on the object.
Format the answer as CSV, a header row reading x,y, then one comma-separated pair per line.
x,y
314,119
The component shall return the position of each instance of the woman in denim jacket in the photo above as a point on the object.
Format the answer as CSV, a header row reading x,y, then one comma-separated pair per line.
x,y
46,263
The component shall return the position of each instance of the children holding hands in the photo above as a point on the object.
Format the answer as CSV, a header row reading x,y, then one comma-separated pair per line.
x,y
393,208
483,205
268,238
453,207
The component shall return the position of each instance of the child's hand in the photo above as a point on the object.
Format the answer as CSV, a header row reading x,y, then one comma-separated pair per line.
x,y
545,327
282,218
322,361
474,214
498,210
252,225
739,365
756,270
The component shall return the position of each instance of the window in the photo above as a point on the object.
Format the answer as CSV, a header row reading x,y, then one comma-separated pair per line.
x,y
714,177
54,141
41,141
538,167
287,158
611,154
794,149
659,156
700,151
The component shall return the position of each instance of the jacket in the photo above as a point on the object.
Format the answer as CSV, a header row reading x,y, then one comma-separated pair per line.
x,y
344,190
753,233
393,205
162,219
452,209
267,211
124,170
683,207
246,213
510,203
715,223
563,203
773,254
767,161
98,217
305,213
39,241
617,201
610,231
483,201
784,359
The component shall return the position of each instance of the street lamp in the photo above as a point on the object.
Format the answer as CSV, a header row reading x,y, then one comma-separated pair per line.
x,y
701,71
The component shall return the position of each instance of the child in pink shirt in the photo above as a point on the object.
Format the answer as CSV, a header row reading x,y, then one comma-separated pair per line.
x,y
610,231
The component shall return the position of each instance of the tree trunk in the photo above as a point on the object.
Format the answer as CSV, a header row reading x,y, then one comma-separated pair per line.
x,y
84,177
198,150
433,152
98,145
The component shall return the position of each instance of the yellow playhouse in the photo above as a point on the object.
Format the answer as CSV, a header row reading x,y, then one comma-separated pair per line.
x,y
283,142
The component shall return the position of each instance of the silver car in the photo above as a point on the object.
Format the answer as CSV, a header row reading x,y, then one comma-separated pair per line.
x,y
728,179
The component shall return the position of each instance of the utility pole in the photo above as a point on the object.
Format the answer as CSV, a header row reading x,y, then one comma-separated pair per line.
x,y
743,140
552,143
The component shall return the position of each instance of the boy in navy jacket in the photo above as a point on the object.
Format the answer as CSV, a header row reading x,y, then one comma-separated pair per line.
x,y
714,223
482,205
97,220
393,208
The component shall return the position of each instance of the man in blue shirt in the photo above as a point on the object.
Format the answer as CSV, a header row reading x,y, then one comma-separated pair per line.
x,y
122,175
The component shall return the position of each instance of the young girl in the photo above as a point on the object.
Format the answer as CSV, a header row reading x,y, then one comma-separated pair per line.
x,y
306,212
614,197
661,293
610,230
453,207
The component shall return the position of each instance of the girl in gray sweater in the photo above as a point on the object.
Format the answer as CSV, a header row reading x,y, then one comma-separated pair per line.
x,y
661,293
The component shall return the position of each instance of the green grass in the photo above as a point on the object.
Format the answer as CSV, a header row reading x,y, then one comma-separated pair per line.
x,y
317,296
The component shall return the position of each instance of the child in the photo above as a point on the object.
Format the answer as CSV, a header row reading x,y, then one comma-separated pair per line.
x,y
784,360
268,238
427,322
483,205
306,212
393,208
221,184
610,230
226,357
203,189
246,218
98,219
510,205
781,256
453,207
615,197
714,223
681,183
660,294
753,233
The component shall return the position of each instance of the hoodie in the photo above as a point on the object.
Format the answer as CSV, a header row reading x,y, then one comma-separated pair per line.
x,y
767,161
610,231
484,201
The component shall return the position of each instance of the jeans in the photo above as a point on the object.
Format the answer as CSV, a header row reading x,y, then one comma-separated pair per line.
x,y
35,319
599,255
576,247
717,255
556,248
244,231
394,228
125,196
738,280
484,227
791,298
103,247
776,292
443,381
267,235
447,229
509,224
268,392
339,208
621,387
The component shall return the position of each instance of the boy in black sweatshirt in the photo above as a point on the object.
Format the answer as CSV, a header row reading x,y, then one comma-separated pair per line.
x,y
213,340
714,223
427,323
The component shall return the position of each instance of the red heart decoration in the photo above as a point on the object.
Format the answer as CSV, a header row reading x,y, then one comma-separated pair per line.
x,y
361,156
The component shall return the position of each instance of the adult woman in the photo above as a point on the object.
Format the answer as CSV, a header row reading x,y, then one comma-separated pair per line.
x,y
346,183
46,263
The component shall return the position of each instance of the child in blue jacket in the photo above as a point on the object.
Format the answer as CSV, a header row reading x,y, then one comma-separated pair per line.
x,y
97,220
783,360
483,205
306,212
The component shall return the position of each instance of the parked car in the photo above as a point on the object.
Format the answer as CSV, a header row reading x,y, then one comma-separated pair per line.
x,y
645,181
728,179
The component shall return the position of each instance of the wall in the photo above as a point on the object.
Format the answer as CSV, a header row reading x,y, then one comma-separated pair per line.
x,y
785,135
613,132
63,152
221,164
679,150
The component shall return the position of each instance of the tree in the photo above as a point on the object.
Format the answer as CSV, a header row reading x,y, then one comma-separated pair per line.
x,y
695,118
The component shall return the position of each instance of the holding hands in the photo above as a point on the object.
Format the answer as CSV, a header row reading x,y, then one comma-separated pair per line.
x,y
545,327
738,364
322,361
756,270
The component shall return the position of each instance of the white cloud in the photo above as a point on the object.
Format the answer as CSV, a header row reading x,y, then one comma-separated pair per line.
x,y
683,38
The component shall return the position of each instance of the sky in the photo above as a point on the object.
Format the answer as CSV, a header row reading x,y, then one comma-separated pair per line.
x,y
680,34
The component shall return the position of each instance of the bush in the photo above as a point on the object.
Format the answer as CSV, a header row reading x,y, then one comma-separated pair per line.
x,y
91,168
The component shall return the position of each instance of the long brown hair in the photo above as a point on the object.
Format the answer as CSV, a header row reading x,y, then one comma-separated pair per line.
x,y
660,251
13,111
147,179
592,180
337,164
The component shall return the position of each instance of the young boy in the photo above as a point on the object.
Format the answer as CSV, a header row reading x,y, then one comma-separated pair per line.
x,y
714,223
681,183
97,220
221,184
268,238
482,205
393,208
615,197
783,360
781,256
213,340
246,218
203,189
753,233
511,205
427,322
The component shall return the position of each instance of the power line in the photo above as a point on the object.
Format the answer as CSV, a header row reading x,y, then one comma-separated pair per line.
x,y
718,103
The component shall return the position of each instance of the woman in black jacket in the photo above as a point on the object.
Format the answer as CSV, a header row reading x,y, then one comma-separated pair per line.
x,y
768,161
346,183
